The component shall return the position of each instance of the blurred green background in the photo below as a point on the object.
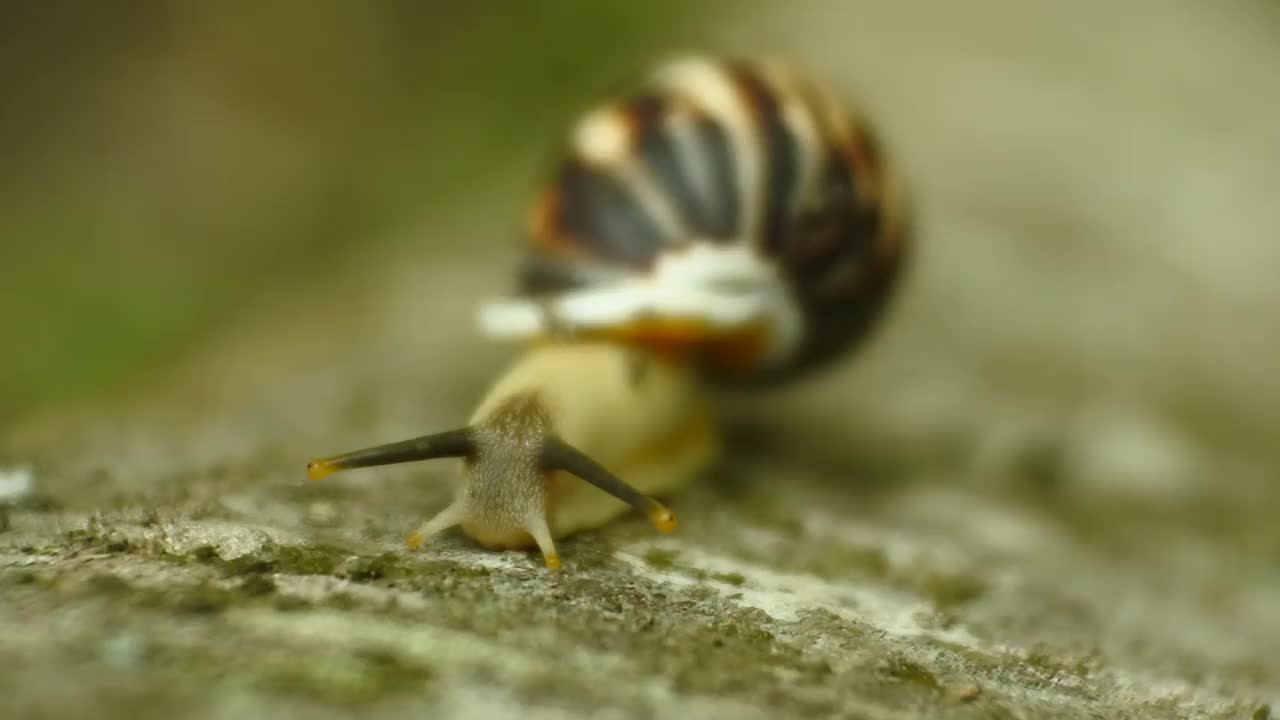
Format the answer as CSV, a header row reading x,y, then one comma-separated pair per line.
x,y
1095,181
165,162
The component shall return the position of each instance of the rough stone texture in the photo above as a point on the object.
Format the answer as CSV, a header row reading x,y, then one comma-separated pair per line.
x,y
1048,489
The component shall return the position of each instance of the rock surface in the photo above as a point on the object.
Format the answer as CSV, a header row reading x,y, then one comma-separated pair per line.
x,y
1048,488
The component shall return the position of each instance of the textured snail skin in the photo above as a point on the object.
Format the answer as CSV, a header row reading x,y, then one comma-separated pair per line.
x,y
641,418
618,409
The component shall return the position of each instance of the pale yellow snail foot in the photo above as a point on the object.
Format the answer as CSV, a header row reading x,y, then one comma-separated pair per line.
x,y
541,535
447,518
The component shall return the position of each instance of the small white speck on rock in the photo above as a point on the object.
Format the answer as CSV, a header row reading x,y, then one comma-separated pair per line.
x,y
321,514
963,693
1122,451
123,651
239,504
16,482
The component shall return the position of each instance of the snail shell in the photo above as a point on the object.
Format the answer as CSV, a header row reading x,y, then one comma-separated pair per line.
x,y
727,213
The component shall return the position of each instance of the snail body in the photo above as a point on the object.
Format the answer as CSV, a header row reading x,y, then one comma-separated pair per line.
x,y
728,223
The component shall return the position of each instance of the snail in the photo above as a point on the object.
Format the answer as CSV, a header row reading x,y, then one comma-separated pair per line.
x,y
726,223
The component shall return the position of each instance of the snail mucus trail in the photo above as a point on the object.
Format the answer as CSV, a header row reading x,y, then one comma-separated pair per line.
x,y
728,222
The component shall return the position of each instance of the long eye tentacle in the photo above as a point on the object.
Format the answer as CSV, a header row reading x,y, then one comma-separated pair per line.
x,y
451,443
558,455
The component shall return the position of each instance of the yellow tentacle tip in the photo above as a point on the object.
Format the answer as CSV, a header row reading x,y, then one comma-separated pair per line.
x,y
319,469
662,518
414,541
552,561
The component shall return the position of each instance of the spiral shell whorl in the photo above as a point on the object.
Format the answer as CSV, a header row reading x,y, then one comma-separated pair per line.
x,y
720,190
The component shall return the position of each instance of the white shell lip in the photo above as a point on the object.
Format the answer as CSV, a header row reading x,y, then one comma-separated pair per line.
x,y
728,287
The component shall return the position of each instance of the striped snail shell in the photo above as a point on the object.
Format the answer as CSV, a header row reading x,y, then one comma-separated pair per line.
x,y
727,212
